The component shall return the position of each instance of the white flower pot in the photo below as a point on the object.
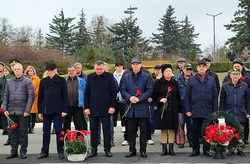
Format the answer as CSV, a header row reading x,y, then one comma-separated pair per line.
x,y
77,157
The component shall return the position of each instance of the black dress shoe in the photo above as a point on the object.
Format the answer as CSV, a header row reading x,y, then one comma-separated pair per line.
x,y
92,154
230,153
23,156
207,153
42,155
194,153
12,156
60,156
108,154
131,154
144,155
240,153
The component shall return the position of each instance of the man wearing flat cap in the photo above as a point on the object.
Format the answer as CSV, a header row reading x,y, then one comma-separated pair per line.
x,y
201,99
182,81
245,76
181,62
212,73
234,99
52,106
136,88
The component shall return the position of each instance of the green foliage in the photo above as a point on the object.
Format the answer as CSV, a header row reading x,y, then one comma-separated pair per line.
x,y
75,146
62,38
240,26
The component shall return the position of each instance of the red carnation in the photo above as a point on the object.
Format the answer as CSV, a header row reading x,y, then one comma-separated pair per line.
x,y
138,92
170,89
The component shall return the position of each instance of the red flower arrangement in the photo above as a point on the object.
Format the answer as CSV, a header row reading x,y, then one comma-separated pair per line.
x,y
164,107
138,93
220,134
75,141
11,123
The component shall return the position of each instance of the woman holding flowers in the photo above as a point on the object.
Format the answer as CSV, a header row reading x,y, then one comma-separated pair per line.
x,y
167,96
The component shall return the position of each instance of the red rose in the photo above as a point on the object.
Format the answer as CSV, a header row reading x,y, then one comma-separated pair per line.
x,y
237,135
138,92
169,89
243,78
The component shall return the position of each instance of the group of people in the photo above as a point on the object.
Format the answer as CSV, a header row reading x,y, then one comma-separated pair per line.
x,y
160,101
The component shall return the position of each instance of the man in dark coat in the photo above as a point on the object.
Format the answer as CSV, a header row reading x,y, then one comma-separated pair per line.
x,y
201,99
245,76
234,99
99,104
212,73
132,83
52,106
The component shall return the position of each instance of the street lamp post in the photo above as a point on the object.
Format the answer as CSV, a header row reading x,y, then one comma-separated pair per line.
x,y
214,56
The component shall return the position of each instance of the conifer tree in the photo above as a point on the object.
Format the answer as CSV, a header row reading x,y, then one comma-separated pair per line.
x,y
240,26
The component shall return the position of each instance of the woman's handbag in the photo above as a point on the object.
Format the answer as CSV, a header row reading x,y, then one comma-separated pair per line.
x,y
180,136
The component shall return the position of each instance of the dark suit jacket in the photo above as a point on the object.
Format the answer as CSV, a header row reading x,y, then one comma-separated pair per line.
x,y
100,93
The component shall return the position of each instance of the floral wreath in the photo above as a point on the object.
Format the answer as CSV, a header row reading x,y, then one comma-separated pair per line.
x,y
230,120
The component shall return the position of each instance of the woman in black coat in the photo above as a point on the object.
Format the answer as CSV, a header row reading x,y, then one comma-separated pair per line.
x,y
167,118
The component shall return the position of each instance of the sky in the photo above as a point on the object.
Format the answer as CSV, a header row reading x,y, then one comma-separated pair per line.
x,y
39,13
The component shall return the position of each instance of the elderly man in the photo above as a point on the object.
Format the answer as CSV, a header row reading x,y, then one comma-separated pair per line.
x,y
245,76
182,81
18,99
181,62
234,99
201,99
99,104
138,114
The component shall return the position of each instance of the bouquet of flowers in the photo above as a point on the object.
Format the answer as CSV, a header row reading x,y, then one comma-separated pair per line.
x,y
75,141
164,107
220,134
11,123
138,93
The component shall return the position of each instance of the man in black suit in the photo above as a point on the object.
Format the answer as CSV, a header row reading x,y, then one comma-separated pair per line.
x,y
99,103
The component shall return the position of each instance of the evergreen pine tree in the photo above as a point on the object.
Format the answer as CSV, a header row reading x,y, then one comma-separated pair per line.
x,y
61,34
240,26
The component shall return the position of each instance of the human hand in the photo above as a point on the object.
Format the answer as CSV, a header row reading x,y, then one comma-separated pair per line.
x,y
87,111
111,110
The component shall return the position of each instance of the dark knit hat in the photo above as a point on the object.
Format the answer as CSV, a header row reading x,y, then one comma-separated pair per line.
x,y
165,66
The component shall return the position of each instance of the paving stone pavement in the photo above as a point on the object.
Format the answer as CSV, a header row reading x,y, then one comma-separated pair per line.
x,y
153,152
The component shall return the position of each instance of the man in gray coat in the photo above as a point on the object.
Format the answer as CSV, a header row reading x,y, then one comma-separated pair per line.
x,y
18,99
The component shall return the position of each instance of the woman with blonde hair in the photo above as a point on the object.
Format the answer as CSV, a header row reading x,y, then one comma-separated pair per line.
x,y
31,73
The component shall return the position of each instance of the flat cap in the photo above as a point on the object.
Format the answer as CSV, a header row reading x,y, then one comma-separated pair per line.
x,y
202,62
135,61
51,66
206,59
238,60
181,60
157,67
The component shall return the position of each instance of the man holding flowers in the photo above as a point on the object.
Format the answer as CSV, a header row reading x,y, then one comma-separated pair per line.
x,y
234,99
18,99
136,88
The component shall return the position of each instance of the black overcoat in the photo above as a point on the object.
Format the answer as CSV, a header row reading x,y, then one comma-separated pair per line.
x,y
170,117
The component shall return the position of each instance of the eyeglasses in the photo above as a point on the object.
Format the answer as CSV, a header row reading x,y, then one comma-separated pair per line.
x,y
189,69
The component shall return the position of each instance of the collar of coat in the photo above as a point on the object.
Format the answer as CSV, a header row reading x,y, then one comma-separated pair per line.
x,y
55,78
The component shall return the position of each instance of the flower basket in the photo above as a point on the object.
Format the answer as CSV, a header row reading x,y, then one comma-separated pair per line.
x,y
76,145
